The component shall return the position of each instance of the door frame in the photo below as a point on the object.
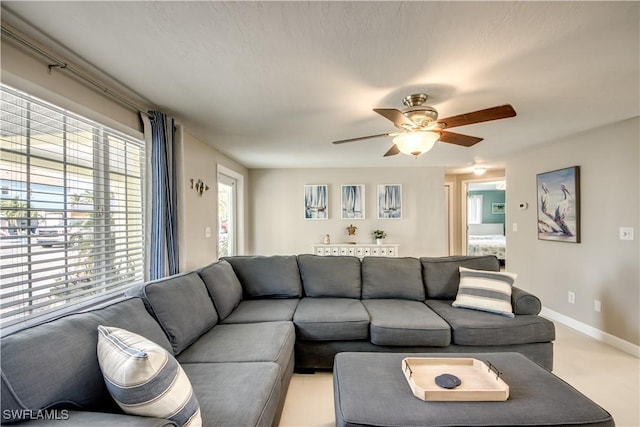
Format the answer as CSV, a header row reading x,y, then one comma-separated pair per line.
x,y
464,226
238,208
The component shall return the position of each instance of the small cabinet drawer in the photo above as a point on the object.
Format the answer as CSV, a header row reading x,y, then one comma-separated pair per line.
x,y
358,250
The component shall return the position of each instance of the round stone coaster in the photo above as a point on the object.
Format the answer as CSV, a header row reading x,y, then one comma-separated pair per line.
x,y
448,381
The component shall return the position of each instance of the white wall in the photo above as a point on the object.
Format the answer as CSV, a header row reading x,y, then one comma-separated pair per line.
x,y
277,224
30,74
196,159
601,267
200,161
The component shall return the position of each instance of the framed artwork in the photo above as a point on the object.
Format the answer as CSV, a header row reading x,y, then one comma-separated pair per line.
x,y
389,201
352,201
497,208
316,202
559,205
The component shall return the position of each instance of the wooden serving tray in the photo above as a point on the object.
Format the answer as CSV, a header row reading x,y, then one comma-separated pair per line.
x,y
479,382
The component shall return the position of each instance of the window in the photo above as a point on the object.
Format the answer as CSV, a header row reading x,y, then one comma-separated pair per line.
x,y
474,215
71,223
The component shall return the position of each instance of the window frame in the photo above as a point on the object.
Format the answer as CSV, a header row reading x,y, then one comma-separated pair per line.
x,y
112,224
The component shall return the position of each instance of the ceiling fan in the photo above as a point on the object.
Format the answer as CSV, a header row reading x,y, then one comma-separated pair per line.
x,y
419,127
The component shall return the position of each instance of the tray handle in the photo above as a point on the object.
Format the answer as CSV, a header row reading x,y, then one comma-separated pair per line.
x,y
494,369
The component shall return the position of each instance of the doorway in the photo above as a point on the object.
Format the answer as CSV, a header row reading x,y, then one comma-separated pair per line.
x,y
227,218
484,215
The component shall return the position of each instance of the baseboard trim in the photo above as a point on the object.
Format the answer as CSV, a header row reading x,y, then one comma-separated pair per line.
x,y
605,337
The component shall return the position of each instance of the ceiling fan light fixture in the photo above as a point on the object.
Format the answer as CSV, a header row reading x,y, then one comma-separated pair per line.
x,y
416,143
479,170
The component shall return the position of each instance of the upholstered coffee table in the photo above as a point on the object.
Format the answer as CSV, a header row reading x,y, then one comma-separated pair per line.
x,y
370,390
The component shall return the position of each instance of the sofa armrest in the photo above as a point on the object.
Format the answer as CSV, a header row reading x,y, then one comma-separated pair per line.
x,y
524,303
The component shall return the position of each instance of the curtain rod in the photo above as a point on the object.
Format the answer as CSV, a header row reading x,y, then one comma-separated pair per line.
x,y
58,63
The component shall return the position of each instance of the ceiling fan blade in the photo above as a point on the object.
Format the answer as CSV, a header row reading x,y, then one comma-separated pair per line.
x,y
344,141
458,138
396,116
494,113
392,151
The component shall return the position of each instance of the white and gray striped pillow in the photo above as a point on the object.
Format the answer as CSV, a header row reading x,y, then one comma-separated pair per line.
x,y
486,291
144,379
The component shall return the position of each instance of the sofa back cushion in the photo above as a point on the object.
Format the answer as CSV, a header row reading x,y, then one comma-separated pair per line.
x,y
56,363
268,276
441,275
399,278
183,307
223,285
330,276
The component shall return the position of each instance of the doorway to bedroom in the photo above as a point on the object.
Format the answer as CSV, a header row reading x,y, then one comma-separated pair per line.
x,y
485,219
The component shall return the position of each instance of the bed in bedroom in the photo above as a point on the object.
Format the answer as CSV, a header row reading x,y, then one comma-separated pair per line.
x,y
487,239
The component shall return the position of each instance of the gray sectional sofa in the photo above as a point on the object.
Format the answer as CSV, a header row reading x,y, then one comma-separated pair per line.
x,y
236,325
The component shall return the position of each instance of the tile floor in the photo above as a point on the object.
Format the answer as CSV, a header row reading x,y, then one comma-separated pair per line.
x,y
608,376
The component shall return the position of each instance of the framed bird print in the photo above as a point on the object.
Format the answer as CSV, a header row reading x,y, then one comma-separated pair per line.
x,y
558,195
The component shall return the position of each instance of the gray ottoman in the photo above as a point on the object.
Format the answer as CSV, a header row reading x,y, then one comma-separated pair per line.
x,y
370,390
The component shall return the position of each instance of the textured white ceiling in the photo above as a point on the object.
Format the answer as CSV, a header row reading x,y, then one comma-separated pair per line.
x,y
271,84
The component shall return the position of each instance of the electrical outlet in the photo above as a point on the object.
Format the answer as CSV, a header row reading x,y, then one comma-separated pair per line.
x,y
626,233
515,226
207,232
572,297
597,306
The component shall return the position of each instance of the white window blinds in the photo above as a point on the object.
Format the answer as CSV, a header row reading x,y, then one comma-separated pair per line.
x,y
71,223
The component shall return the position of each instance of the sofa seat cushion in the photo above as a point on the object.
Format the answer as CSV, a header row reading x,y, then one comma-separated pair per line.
x,y
274,276
398,278
331,319
244,342
236,394
471,327
406,323
58,362
183,307
223,286
331,276
263,310
441,275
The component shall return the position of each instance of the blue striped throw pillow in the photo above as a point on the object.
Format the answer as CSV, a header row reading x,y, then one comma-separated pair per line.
x,y
485,291
144,379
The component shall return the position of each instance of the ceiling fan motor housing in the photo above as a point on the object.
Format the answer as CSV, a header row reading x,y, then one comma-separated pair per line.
x,y
421,115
